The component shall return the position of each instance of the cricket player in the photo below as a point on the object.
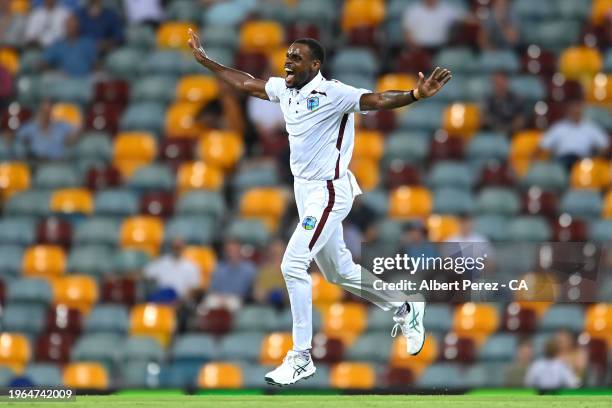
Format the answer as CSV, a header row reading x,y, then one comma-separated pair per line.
x,y
319,118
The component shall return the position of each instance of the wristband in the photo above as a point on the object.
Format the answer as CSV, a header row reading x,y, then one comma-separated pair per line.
x,y
413,95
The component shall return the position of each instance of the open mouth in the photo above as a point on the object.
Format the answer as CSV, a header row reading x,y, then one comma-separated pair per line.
x,y
290,75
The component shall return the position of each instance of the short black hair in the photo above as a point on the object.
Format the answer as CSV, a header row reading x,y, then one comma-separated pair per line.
x,y
316,49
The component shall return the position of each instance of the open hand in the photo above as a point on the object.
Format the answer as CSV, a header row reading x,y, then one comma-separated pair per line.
x,y
432,85
196,46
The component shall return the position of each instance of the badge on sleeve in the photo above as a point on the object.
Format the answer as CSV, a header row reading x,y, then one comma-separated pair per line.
x,y
309,223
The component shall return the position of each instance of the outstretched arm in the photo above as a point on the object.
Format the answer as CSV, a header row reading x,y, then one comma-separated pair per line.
x,y
239,80
395,99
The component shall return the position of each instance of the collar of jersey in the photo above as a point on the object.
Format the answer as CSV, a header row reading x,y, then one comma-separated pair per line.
x,y
309,87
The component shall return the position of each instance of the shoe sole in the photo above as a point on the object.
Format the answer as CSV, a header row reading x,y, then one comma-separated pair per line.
x,y
424,335
270,381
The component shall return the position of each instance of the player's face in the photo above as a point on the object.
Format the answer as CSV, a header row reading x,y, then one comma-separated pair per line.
x,y
299,66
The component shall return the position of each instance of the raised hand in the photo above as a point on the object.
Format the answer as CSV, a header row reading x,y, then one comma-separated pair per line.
x,y
196,46
432,85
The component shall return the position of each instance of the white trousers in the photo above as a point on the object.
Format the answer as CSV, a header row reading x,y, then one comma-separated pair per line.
x,y
322,206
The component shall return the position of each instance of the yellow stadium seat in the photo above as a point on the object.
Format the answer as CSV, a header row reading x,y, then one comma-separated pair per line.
x,y
86,375
205,258
599,90
20,6
76,291
401,359
461,119
522,149
267,204
261,36
475,321
590,174
324,293
359,13
220,375
133,150
153,320
15,351
220,148
44,261
9,59
410,202
598,321
181,120
542,287
345,321
274,347
198,175
442,227
607,206
67,112
276,59
599,10
72,200
395,82
369,144
197,89
174,35
367,172
580,62
142,232
352,376
14,177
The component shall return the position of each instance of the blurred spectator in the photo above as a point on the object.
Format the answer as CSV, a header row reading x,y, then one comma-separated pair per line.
x,y
173,272
574,137
574,356
499,27
223,112
467,235
270,285
427,24
100,23
12,25
415,241
74,55
6,87
265,115
232,280
466,231
43,137
46,24
551,372
504,111
515,372
69,4
144,11
353,238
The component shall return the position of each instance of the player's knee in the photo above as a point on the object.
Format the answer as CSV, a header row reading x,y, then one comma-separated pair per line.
x,y
293,268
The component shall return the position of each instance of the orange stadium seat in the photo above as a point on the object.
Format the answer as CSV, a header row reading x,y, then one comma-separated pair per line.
x,y
72,200
205,258
76,292
461,119
220,375
590,174
220,148
369,144
153,320
599,89
543,287
133,150
441,227
410,202
267,204
198,175
345,321
395,82
360,13
197,89
400,358
67,112
523,146
145,233
274,347
20,6
9,59
14,177
180,120
607,205
44,261
352,375
324,293
261,36
580,62
15,351
86,375
599,10
475,321
598,321
366,171
174,34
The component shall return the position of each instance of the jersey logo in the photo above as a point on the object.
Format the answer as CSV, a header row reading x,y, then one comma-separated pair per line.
x,y
309,223
312,103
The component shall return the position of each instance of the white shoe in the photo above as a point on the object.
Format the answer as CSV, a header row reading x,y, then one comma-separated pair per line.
x,y
411,323
293,369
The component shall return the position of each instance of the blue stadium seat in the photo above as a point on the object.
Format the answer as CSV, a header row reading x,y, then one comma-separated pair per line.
x,y
256,318
410,147
500,201
488,146
242,346
97,231
56,175
124,62
499,347
452,201
201,203
219,36
104,348
179,374
139,37
601,230
450,174
192,229
355,61
17,231
377,201
494,227
260,175
94,260
146,116
6,375
531,10
26,318
389,231
439,318
475,89
142,349
584,204
30,291
600,115
29,90
162,63
116,202
529,229
549,176
130,260
199,348
371,346
183,10
108,318
562,316
248,231
154,88
72,90
225,14
44,375
10,260
94,146
154,177
425,117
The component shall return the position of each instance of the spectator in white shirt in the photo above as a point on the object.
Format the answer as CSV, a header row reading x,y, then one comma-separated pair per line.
x,y
143,11
551,372
46,24
574,137
427,24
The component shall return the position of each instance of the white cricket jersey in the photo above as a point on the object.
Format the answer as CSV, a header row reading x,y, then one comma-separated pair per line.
x,y
319,120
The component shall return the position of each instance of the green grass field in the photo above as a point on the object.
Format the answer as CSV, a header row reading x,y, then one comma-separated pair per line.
x,y
301,401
